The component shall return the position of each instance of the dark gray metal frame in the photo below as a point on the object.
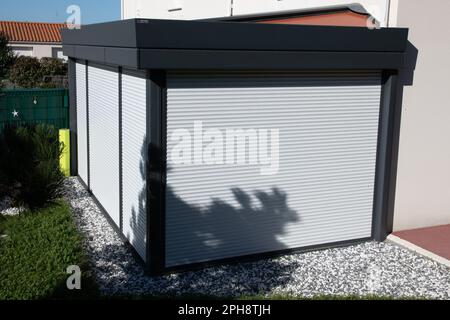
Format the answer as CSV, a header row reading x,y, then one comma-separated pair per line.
x,y
170,45
87,128
229,46
156,172
386,158
73,117
120,153
216,35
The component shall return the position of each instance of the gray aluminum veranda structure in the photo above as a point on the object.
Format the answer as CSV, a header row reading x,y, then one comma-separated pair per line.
x,y
160,46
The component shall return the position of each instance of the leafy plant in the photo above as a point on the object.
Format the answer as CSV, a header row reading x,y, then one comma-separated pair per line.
x,y
30,72
54,71
29,164
26,72
53,67
6,55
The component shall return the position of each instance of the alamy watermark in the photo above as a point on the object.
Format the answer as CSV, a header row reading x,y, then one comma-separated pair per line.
x,y
230,146
74,280
372,22
74,19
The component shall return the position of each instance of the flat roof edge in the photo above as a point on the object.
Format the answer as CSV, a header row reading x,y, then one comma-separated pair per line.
x,y
169,59
214,35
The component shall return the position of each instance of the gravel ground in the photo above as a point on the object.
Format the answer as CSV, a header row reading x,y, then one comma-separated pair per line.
x,y
371,268
7,209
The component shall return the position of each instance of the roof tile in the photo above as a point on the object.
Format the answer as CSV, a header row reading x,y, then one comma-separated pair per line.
x,y
32,31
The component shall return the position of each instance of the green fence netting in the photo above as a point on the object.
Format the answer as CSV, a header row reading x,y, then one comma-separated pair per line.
x,y
33,106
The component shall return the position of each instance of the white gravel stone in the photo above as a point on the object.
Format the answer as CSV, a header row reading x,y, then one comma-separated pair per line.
x,y
370,268
7,209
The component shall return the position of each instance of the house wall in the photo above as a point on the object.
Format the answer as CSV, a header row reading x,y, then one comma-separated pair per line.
x,y
169,9
198,9
377,8
423,180
39,50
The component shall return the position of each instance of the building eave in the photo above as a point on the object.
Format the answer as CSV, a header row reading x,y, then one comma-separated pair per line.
x,y
174,44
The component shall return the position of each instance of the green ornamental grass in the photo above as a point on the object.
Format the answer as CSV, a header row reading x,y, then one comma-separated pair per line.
x,y
34,255
29,165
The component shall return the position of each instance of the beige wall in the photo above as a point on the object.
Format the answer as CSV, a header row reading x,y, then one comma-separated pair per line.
x,y
423,180
39,50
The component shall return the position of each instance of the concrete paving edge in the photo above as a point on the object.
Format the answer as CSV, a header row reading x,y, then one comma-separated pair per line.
x,y
419,250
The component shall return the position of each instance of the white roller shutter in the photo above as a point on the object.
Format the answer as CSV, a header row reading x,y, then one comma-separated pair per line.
x,y
104,138
133,159
80,75
323,191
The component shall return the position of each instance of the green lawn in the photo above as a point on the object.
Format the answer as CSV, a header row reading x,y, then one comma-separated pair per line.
x,y
34,255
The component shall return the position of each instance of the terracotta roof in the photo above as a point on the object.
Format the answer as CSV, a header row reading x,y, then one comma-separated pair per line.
x,y
342,15
32,31
339,18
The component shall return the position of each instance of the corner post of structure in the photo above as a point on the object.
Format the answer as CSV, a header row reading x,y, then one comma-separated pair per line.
x,y
156,170
386,157
73,117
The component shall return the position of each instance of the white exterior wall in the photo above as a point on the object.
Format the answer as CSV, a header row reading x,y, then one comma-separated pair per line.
x,y
423,179
44,50
168,9
198,9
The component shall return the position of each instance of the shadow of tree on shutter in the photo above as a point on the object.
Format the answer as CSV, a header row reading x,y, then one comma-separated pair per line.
x,y
210,235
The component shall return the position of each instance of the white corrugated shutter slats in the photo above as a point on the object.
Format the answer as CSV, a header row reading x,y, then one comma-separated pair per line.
x,y
323,192
104,137
80,76
133,159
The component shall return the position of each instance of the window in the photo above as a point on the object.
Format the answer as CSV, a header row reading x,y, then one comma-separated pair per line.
x,y
23,51
58,53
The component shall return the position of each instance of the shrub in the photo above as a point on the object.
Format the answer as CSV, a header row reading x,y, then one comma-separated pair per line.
x,y
26,72
55,73
30,72
53,67
29,164
6,56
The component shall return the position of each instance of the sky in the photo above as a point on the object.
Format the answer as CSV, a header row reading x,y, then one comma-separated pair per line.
x,y
92,11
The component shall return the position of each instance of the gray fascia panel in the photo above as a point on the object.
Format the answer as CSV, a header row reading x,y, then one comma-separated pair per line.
x,y
266,60
109,34
174,44
203,35
125,57
169,59
215,35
